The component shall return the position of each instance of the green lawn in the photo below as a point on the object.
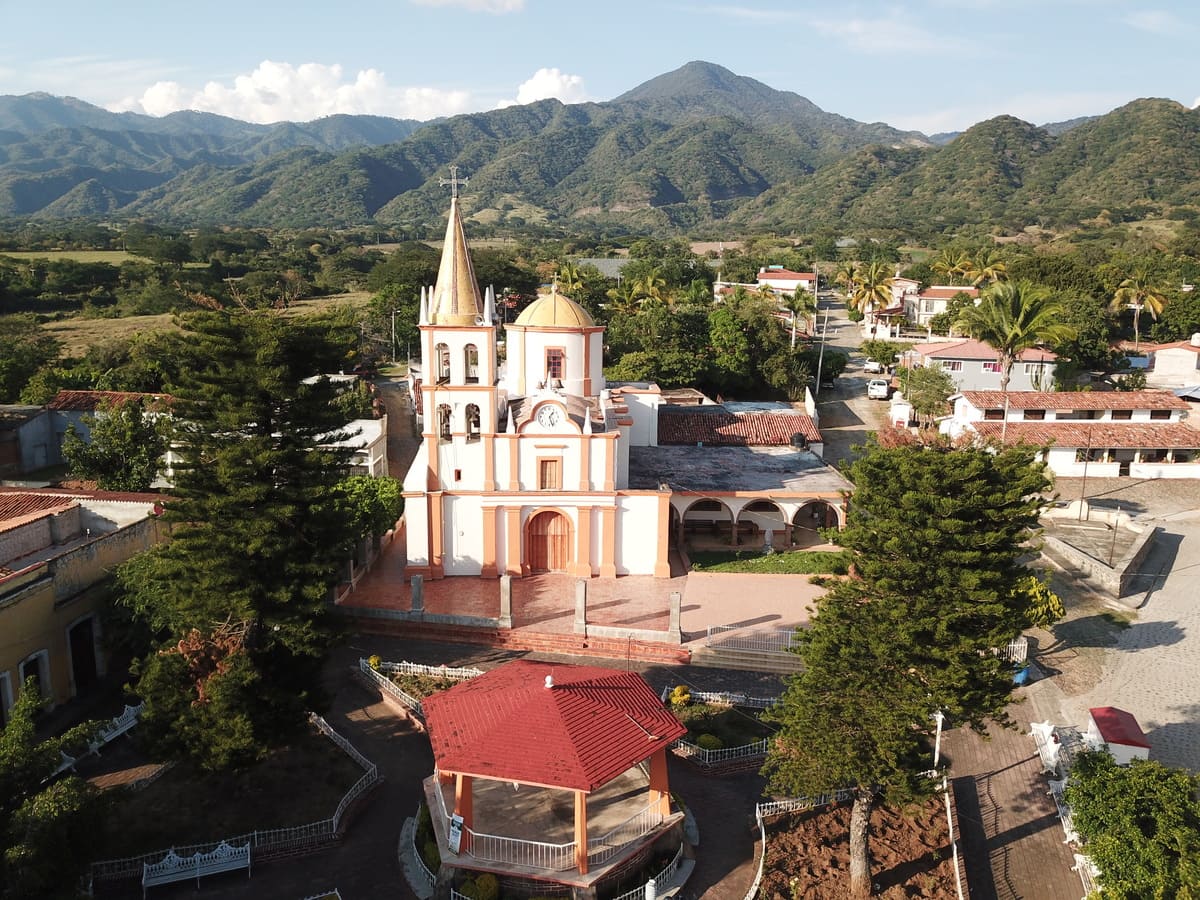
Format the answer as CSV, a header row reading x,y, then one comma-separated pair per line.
x,y
731,725
112,257
794,562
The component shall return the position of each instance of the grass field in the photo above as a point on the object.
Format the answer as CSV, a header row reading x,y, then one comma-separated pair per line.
x,y
113,257
77,334
795,562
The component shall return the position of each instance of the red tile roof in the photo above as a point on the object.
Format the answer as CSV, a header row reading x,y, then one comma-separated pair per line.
x,y
945,292
21,508
1177,345
1114,435
1075,400
1118,727
784,275
90,401
972,349
692,425
72,494
583,732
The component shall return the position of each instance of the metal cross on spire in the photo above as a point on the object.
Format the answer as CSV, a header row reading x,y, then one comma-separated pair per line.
x,y
454,181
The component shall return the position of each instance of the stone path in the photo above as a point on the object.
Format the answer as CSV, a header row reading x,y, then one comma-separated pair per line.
x,y
1152,669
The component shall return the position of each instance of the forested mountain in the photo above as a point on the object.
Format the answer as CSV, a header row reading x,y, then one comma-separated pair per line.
x,y
696,148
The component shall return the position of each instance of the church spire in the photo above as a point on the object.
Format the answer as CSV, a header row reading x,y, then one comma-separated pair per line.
x,y
455,299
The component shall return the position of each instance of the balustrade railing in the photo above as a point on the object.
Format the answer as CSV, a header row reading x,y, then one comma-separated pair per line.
x,y
661,881
726,754
775,641
609,845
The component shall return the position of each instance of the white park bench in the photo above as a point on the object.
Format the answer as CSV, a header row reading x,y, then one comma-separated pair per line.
x,y
172,867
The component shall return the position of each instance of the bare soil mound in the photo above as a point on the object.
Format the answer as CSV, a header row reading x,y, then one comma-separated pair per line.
x,y
808,854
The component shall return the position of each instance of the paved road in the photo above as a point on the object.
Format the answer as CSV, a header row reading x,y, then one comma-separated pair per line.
x,y
1153,667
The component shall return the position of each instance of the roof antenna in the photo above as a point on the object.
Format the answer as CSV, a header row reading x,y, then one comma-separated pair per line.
x,y
549,682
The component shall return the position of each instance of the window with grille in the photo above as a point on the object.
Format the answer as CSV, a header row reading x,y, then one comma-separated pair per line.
x,y
556,359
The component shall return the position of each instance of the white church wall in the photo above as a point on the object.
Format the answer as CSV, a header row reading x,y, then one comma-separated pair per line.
x,y
622,467
637,534
643,410
598,462
416,530
572,345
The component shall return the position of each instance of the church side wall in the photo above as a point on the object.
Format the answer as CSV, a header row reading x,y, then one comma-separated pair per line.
x,y
637,534
416,530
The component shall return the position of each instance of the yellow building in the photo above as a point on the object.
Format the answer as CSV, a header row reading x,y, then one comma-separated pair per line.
x,y
56,548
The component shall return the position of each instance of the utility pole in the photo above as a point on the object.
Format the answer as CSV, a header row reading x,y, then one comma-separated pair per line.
x,y
393,337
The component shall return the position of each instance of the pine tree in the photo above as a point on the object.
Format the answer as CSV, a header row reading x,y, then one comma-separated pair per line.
x,y
936,535
258,532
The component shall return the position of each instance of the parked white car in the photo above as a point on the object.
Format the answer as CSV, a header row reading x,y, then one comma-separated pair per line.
x,y
879,389
873,366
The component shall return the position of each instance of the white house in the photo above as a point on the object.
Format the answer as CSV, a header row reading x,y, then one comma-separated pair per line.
x,y
784,281
920,308
1174,365
975,366
1102,434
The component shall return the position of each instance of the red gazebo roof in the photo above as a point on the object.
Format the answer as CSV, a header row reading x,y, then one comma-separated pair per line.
x,y
580,734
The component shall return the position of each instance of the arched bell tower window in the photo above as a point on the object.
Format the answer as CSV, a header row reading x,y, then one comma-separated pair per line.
x,y
442,353
443,422
471,354
472,422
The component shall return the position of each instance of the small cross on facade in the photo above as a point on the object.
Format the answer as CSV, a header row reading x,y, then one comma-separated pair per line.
x,y
454,181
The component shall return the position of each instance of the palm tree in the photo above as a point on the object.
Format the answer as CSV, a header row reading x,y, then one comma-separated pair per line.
x,y
985,267
800,303
651,286
570,282
873,289
1012,317
623,300
951,263
847,276
1138,292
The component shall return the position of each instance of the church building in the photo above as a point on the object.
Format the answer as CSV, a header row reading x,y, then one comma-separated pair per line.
x,y
538,466
523,470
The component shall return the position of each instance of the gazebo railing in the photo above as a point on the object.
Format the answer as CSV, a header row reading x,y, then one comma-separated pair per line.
x,y
519,852
609,845
553,857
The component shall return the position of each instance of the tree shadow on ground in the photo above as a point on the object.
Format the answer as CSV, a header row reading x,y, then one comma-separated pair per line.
x,y
1152,573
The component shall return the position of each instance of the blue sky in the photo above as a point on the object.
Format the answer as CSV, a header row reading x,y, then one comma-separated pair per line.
x,y
929,65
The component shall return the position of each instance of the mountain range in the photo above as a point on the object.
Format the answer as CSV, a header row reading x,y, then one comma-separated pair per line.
x,y
693,149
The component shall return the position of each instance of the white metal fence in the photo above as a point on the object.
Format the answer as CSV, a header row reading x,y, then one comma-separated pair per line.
x,y
705,757
273,839
609,845
429,876
661,881
380,677
732,637
778,807
724,698
1016,650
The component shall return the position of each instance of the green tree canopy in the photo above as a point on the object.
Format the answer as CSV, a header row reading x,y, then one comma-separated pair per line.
x,y
259,529
1140,824
125,447
48,828
936,535
24,350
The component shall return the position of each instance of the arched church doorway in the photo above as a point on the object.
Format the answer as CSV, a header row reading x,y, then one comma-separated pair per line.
x,y
548,542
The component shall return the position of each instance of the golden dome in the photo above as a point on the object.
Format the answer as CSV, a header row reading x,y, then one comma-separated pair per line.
x,y
553,310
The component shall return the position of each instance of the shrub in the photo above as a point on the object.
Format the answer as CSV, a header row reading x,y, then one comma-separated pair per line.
x,y
709,742
375,661
431,855
680,695
487,887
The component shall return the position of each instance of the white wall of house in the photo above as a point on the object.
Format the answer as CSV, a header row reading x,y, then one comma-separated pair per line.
x,y
1176,367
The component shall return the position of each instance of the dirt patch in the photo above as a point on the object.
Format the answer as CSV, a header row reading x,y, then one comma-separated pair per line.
x,y
808,854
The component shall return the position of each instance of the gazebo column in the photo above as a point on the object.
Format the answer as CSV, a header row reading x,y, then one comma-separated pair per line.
x,y
464,805
660,790
581,844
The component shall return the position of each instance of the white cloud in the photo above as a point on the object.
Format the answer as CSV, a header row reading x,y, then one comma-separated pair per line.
x,y
276,92
1155,21
892,35
545,83
496,7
